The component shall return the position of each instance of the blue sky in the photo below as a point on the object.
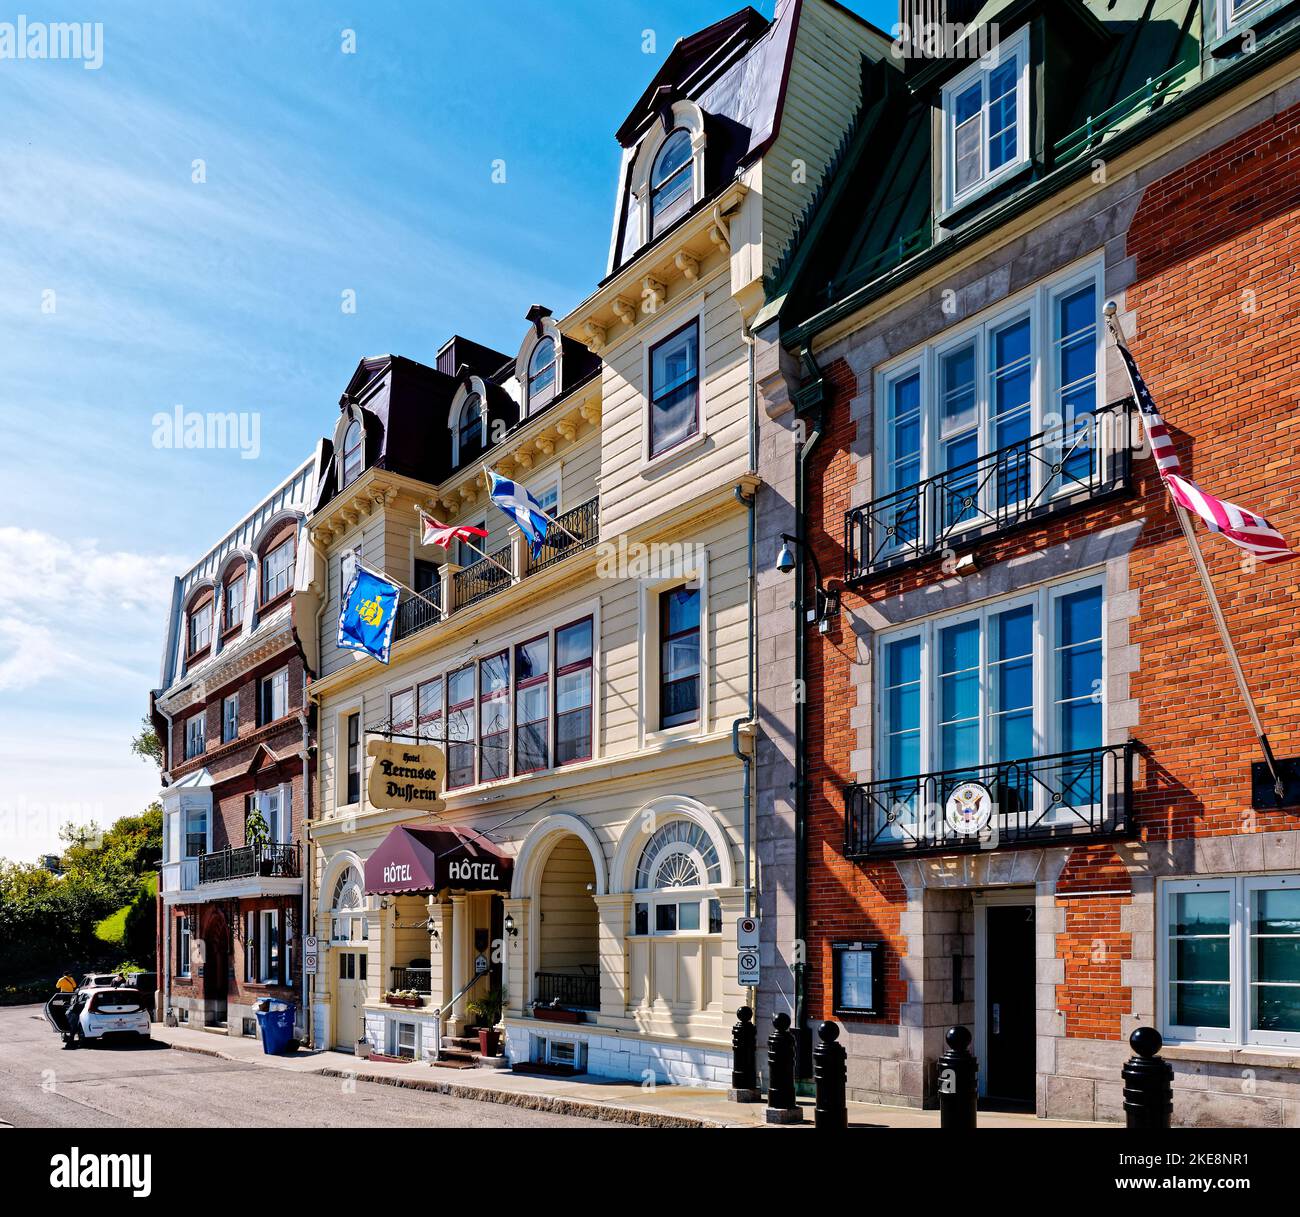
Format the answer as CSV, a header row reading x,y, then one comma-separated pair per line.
x,y
128,288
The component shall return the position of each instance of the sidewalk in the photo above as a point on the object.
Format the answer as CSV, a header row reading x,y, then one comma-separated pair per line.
x,y
617,1102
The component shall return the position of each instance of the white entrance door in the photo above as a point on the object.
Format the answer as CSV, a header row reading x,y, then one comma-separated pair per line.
x,y
351,980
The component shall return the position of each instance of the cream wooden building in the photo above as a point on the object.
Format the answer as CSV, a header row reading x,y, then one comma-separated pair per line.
x,y
596,702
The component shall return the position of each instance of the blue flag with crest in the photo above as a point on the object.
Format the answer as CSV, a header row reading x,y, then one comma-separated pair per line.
x,y
368,612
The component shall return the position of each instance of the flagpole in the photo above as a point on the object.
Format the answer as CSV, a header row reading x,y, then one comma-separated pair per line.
x,y
475,548
556,523
1216,609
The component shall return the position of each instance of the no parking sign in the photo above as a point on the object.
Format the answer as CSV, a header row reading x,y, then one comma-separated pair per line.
x,y
747,965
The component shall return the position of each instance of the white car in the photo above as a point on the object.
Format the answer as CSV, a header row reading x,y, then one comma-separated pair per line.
x,y
100,1013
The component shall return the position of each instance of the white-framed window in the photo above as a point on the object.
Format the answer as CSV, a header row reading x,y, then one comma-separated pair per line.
x,y
677,868
234,606
229,718
272,804
679,655
469,430
541,374
1233,12
277,570
672,183
405,1040
195,734
1030,367
546,492
196,831
1013,679
182,946
352,792
1230,960
201,628
348,909
273,697
354,459
401,714
673,389
986,121
269,947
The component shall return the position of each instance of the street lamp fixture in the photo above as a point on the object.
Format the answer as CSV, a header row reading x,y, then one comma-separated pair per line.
x,y
827,605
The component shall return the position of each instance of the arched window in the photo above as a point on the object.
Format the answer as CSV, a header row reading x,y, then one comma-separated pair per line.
x,y
541,374
348,909
354,459
677,867
672,182
471,429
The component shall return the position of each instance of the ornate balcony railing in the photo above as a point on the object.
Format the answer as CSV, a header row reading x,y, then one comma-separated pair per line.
x,y
481,580
1074,796
417,613
270,861
583,522
573,991
418,980
1051,471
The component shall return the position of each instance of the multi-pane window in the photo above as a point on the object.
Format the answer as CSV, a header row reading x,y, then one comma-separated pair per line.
x,y
234,603
677,866
277,571
986,121
494,717
354,758
460,727
674,391
196,832
1233,11
573,692
679,656
469,552
201,628
541,374
273,697
182,946
401,714
229,718
428,711
195,732
672,186
1230,960
354,460
532,704
1008,681
271,805
470,438
999,416
263,947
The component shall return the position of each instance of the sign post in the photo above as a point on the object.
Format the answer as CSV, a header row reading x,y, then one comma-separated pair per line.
x,y
747,957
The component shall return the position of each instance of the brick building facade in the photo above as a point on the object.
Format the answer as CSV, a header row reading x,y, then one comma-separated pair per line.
x,y
238,770
1022,612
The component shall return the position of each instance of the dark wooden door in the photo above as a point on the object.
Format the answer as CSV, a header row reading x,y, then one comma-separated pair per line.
x,y
1009,1011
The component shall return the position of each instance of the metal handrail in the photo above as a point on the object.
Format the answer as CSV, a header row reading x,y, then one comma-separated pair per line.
x,y
1156,90
417,613
582,522
483,578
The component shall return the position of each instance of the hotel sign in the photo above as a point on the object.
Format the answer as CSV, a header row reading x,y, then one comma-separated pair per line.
x,y
423,860
405,776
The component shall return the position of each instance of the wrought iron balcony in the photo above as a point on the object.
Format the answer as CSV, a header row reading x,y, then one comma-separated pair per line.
x,y
417,613
569,990
269,861
481,580
1072,796
417,980
1048,472
583,522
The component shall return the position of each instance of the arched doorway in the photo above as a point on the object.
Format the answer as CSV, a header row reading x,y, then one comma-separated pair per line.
x,y
216,968
567,968
350,952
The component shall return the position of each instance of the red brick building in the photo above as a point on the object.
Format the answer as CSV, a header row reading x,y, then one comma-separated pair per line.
x,y
237,774
1017,772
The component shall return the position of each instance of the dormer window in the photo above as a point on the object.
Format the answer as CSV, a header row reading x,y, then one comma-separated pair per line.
x,y
671,182
541,374
986,122
1233,12
234,603
471,428
201,628
353,452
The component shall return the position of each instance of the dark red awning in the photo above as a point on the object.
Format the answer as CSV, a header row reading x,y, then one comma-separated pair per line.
x,y
422,860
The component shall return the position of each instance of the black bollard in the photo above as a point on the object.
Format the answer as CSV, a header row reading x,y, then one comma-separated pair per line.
x,y
781,1105
830,1072
1148,1082
744,1064
958,1081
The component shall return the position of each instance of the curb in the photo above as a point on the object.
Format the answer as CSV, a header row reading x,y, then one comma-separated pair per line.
x,y
605,1112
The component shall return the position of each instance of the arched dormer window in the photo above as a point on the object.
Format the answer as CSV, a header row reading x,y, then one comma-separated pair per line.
x,y
672,184
541,374
469,440
354,452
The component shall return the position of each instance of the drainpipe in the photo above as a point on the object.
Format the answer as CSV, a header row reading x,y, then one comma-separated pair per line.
x,y
810,394
166,916
305,928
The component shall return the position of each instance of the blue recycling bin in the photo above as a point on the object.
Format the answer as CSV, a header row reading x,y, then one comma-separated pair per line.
x,y
276,1025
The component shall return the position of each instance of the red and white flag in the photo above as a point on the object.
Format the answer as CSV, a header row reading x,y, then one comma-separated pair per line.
x,y
434,533
1252,533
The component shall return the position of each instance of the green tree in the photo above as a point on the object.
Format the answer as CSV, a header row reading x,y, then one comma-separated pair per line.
x,y
146,745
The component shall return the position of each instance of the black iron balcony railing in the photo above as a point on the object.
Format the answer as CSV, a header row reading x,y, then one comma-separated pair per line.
x,y
416,980
417,613
481,580
269,861
574,991
1051,471
1072,795
582,523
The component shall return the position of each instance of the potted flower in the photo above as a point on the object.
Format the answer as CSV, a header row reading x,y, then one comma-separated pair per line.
x,y
257,833
487,1012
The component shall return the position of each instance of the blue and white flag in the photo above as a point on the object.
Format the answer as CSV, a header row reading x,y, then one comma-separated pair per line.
x,y
368,613
521,507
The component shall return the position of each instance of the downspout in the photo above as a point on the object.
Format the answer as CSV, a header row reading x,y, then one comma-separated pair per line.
x,y
306,858
307,874
166,916
811,394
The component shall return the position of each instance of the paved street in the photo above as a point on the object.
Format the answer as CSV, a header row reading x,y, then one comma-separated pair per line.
x,y
44,1086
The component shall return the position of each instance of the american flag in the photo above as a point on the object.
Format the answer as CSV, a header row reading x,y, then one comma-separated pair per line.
x,y
1244,528
434,533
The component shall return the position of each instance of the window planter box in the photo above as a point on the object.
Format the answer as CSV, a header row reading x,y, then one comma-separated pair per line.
x,y
552,1014
408,1003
